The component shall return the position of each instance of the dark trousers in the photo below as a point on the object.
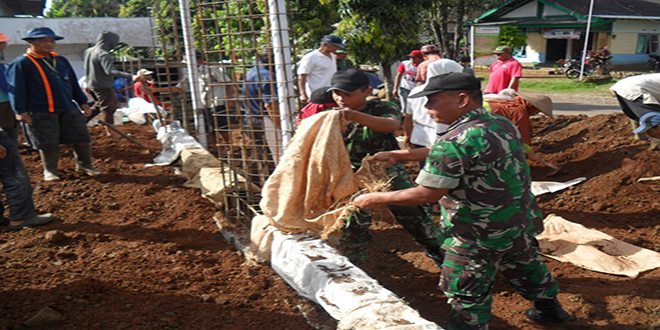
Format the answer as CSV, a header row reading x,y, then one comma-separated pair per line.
x,y
15,182
104,101
8,121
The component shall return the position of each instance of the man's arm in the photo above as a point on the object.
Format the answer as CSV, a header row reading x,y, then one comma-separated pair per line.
x,y
513,82
302,81
412,196
378,124
397,83
408,155
408,127
108,64
273,113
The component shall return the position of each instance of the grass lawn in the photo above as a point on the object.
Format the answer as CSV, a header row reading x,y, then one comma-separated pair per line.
x,y
558,85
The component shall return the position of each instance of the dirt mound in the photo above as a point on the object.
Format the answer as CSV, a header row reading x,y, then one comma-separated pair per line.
x,y
134,249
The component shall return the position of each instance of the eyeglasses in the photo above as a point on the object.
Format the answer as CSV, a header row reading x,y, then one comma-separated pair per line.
x,y
426,53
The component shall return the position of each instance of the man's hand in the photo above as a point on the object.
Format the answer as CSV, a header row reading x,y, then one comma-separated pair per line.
x,y
24,117
366,201
303,99
395,92
3,152
385,156
86,110
347,114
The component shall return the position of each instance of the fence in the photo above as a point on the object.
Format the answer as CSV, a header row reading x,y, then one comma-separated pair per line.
x,y
244,75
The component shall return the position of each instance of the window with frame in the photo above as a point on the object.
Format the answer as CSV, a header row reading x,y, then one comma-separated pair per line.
x,y
647,44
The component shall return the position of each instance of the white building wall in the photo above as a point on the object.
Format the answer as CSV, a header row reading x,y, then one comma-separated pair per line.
x,y
78,33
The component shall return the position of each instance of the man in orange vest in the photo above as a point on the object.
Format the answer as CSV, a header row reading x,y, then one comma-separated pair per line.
x,y
44,92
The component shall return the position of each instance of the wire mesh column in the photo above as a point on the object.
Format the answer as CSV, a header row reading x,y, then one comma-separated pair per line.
x,y
235,40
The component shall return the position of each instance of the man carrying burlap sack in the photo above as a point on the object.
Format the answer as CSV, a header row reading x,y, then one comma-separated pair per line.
x,y
370,131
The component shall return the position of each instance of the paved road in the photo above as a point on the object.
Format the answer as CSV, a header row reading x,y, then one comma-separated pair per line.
x,y
583,103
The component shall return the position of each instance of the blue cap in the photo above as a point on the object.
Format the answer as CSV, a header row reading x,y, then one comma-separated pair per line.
x,y
648,121
42,32
333,40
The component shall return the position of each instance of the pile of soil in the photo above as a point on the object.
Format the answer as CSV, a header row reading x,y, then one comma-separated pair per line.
x,y
602,149
133,248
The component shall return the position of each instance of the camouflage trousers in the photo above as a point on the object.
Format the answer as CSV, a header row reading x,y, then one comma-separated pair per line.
x,y
468,274
414,219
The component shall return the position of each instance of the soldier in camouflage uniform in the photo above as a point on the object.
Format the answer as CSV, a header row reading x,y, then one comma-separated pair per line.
x,y
479,173
373,123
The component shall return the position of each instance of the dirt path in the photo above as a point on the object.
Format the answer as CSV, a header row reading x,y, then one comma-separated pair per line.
x,y
133,249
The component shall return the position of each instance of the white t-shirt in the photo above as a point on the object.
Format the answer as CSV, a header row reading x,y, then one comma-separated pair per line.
x,y
409,74
211,79
647,86
319,69
425,130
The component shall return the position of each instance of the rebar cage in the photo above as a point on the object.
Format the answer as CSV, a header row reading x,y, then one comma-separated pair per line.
x,y
245,82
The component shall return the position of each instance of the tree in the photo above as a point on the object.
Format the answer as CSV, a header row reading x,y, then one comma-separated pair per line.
x,y
512,36
379,31
85,8
441,13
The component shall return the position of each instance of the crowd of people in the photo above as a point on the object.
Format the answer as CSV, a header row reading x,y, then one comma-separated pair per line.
x,y
472,147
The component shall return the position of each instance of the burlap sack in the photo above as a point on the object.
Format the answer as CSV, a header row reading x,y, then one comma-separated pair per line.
x,y
192,161
594,250
313,176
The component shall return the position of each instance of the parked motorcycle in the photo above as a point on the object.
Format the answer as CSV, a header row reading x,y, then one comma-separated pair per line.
x,y
654,63
571,68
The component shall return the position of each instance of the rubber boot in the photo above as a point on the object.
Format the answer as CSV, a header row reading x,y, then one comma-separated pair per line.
x,y
83,154
547,311
50,158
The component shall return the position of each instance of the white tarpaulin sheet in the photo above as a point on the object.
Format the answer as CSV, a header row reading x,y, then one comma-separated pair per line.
x,y
174,140
316,271
544,187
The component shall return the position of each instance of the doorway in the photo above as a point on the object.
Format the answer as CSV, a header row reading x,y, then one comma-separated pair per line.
x,y
555,50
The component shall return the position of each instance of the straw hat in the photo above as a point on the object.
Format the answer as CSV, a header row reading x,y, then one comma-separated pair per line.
x,y
541,102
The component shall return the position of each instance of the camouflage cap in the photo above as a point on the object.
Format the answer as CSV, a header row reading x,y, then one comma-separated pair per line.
x,y
502,49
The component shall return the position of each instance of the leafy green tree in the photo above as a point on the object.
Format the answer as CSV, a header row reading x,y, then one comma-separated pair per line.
x,y
379,31
85,8
512,36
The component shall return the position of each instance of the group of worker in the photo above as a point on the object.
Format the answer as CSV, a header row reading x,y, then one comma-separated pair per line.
x,y
474,161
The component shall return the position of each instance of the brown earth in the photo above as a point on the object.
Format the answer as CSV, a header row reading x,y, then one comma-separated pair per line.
x,y
136,249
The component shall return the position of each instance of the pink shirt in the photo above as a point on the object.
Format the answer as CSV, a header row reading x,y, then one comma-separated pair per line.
x,y
501,73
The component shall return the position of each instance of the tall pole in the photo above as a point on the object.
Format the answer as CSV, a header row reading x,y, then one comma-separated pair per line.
x,y
586,39
279,32
191,66
472,46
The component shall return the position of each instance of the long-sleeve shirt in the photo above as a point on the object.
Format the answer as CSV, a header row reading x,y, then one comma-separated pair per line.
x,y
38,84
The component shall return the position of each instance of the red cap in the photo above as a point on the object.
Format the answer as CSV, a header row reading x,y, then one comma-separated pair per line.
x,y
3,37
416,53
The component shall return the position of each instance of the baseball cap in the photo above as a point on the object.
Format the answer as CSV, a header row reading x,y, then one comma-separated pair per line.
x,y
41,32
648,121
348,80
429,49
3,37
453,81
144,72
415,53
333,40
502,49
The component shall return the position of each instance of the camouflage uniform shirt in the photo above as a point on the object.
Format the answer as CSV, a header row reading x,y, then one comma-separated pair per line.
x,y
480,160
362,141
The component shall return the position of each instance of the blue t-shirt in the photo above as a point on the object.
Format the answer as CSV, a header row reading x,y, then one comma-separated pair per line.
x,y
259,90
4,87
